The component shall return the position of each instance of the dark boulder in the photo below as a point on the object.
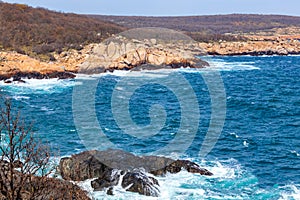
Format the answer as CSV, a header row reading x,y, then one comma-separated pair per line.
x,y
95,164
108,179
18,76
139,182
178,165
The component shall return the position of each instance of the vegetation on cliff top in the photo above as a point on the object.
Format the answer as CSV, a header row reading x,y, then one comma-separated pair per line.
x,y
211,27
37,31
213,24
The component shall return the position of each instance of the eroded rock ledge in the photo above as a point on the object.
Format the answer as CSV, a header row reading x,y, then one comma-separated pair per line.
x,y
124,54
117,54
113,167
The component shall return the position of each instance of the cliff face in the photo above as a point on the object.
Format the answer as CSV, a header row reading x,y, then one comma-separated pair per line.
x,y
124,54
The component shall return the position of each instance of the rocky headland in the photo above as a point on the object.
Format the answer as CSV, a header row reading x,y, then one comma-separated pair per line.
x,y
111,168
99,58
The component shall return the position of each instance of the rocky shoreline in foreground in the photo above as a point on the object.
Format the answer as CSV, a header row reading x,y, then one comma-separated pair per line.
x,y
111,168
123,54
105,171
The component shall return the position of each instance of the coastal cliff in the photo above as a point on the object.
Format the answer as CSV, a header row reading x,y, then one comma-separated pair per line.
x,y
137,55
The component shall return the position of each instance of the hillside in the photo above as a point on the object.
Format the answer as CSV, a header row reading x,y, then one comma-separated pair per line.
x,y
38,31
214,27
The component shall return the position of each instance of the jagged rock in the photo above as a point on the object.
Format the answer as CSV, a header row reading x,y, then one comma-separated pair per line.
x,y
139,182
19,76
110,191
131,54
93,164
108,179
178,165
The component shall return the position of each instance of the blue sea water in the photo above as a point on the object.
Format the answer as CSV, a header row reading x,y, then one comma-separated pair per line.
x,y
256,155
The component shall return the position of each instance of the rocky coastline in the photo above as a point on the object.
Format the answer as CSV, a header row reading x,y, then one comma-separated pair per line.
x,y
111,168
131,54
257,46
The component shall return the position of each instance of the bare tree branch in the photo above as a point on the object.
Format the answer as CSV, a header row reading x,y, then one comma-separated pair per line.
x,y
22,156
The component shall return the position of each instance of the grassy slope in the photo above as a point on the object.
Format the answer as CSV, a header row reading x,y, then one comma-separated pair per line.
x,y
37,31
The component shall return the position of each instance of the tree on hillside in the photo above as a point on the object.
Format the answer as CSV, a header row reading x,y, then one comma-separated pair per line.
x,y
21,156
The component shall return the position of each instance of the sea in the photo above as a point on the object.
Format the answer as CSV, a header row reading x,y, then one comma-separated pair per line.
x,y
239,118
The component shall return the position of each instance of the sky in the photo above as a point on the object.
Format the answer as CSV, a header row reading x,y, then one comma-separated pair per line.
x,y
168,7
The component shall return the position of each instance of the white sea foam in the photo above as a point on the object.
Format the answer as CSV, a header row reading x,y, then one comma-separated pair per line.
x,y
295,153
245,143
221,65
216,64
234,134
20,97
37,86
290,192
185,185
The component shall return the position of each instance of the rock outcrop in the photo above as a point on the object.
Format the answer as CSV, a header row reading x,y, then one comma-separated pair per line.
x,y
112,166
17,67
126,54
138,181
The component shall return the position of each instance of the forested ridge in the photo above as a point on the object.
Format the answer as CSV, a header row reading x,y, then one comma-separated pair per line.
x,y
211,27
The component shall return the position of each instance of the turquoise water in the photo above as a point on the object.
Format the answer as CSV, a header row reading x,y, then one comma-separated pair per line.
x,y
256,156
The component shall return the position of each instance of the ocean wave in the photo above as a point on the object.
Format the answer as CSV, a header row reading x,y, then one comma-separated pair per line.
x,y
38,86
221,65
295,153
